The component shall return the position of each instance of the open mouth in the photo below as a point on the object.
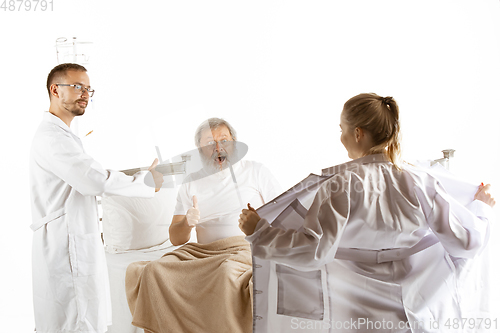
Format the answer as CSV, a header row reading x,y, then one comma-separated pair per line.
x,y
220,159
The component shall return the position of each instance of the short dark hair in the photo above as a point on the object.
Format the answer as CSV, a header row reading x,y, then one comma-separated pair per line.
x,y
60,70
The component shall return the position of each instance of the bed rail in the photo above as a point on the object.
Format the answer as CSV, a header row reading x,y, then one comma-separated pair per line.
x,y
445,161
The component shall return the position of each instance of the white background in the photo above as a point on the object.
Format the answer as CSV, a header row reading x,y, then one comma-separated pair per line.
x,y
279,71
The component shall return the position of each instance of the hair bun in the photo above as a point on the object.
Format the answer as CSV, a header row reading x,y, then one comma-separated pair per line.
x,y
386,100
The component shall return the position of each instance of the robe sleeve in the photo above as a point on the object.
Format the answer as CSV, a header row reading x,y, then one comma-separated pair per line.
x,y
463,231
315,244
63,156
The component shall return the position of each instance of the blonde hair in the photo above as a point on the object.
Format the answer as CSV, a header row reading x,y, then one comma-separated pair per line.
x,y
380,117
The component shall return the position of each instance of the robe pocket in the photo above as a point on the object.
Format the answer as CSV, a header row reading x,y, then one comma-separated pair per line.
x,y
300,294
84,253
50,244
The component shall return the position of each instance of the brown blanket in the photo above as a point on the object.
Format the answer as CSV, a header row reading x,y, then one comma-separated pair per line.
x,y
196,288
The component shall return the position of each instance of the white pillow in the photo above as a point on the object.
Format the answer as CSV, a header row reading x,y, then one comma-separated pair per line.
x,y
137,223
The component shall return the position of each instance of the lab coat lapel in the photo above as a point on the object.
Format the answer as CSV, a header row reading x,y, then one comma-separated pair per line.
x,y
53,119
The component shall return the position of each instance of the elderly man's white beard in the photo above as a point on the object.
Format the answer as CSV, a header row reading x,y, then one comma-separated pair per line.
x,y
211,164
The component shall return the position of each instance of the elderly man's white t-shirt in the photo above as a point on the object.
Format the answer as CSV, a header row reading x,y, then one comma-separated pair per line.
x,y
218,201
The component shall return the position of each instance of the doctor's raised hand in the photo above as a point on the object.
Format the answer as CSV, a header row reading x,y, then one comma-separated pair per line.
x,y
157,176
248,220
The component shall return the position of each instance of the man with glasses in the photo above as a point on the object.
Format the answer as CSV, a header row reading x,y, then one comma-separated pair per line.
x,y
205,286
70,278
213,188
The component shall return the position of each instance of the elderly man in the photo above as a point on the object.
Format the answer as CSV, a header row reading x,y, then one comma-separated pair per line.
x,y
70,282
204,286
213,200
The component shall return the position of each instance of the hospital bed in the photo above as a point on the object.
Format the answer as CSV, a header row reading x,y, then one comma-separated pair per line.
x,y
136,229
128,222
117,266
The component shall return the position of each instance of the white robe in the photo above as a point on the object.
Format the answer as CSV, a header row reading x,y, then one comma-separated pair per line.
x,y
368,205
70,278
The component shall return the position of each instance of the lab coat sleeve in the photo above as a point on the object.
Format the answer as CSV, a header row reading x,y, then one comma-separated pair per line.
x,y
463,231
317,243
62,155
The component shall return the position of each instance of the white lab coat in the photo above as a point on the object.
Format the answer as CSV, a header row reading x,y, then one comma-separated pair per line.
x,y
70,278
367,205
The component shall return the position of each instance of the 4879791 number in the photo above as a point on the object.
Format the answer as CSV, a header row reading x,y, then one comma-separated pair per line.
x,y
472,323
27,5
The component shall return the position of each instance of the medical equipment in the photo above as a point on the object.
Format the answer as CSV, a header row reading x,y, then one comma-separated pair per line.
x,y
167,169
197,167
73,51
445,161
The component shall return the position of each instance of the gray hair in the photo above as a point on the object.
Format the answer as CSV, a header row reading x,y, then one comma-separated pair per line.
x,y
213,123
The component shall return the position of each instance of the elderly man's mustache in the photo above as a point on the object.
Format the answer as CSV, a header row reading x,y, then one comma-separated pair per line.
x,y
220,157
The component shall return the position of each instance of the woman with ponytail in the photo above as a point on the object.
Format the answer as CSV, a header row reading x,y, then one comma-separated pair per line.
x,y
378,119
381,231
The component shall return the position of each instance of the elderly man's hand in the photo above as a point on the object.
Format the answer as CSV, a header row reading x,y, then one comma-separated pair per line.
x,y
248,220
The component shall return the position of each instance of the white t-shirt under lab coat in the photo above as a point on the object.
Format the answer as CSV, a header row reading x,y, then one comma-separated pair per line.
x,y
369,205
218,201
70,277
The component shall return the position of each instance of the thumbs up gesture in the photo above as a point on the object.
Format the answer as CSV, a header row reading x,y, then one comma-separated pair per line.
x,y
248,220
193,214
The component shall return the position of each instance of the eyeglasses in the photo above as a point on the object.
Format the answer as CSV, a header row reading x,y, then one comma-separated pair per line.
x,y
79,89
223,143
